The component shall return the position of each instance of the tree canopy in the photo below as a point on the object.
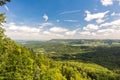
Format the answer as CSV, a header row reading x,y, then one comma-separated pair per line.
x,y
2,2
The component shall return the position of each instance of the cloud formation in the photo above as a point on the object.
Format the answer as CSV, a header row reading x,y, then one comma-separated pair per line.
x,y
115,14
109,2
72,33
69,12
71,20
6,7
96,16
91,27
58,29
106,30
23,32
106,2
45,17
46,24
15,28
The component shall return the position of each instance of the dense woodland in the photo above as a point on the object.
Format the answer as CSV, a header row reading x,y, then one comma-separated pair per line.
x,y
19,63
51,60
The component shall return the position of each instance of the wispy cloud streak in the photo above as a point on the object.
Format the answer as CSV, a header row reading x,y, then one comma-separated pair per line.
x,y
69,12
71,20
6,8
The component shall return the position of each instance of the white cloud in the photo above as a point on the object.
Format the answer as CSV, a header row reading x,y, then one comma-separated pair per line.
x,y
47,32
45,25
105,31
72,33
52,35
85,33
69,12
91,27
71,20
15,28
115,23
21,32
45,17
6,7
58,29
100,21
109,30
96,16
109,33
107,2
115,14
112,29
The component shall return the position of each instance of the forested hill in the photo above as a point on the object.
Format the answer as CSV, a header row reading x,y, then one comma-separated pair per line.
x,y
87,41
19,63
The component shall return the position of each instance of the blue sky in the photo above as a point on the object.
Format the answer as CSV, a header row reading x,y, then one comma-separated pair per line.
x,y
64,19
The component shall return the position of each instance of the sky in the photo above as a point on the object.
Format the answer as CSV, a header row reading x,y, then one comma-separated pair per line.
x,y
62,19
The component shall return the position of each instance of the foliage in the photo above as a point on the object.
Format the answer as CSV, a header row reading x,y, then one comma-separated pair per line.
x,y
18,63
2,2
105,55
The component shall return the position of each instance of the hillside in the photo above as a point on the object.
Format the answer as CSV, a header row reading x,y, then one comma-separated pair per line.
x,y
19,63
107,56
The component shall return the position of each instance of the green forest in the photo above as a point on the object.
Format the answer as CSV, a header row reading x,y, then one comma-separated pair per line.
x,y
58,59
